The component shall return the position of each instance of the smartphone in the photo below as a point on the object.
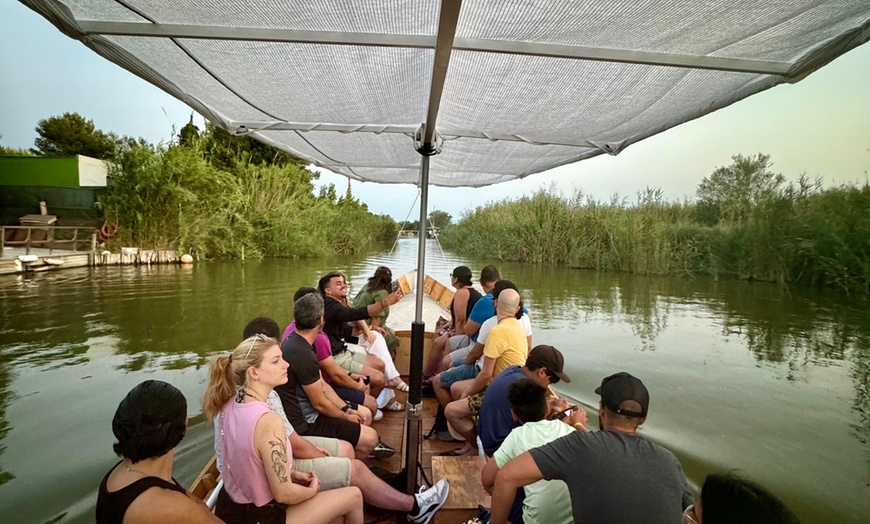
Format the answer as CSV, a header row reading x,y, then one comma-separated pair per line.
x,y
351,339
562,414
367,380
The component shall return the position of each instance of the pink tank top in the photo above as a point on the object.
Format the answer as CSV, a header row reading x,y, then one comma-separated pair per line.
x,y
243,472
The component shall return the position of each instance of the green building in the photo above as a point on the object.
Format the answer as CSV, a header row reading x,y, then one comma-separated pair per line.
x,y
68,185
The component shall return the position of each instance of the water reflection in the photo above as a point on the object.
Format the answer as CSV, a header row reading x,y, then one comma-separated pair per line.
x,y
792,333
767,369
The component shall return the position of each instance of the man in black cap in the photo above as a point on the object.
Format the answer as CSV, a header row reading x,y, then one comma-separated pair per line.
x,y
613,475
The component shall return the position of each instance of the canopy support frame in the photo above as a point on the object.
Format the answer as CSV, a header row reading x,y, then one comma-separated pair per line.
x,y
447,22
739,65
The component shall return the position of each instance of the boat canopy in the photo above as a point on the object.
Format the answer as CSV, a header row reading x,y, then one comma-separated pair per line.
x,y
376,89
516,87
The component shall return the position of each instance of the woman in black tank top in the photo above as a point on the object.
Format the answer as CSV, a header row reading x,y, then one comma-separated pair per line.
x,y
460,279
149,423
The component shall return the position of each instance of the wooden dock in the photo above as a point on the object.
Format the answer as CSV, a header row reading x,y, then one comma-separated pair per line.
x,y
15,260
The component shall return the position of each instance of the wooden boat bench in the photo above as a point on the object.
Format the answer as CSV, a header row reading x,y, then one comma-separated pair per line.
x,y
466,492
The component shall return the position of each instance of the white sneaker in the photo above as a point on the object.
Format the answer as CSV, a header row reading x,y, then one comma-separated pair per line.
x,y
430,501
378,415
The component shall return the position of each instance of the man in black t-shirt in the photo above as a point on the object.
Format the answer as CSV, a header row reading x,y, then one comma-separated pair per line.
x,y
311,405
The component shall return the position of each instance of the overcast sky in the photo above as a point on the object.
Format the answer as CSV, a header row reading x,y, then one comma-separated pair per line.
x,y
820,126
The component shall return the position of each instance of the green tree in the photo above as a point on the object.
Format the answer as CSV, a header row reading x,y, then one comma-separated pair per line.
x,y
188,133
12,151
440,218
731,192
224,150
72,134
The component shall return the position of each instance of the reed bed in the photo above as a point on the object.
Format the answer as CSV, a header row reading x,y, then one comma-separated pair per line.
x,y
176,197
797,234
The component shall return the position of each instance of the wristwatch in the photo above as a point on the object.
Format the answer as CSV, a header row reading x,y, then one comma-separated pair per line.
x,y
345,408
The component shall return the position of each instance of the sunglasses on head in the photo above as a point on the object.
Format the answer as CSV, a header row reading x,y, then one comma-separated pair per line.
x,y
259,336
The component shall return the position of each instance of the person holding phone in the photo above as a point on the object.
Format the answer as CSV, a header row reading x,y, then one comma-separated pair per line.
x,y
348,349
545,501
613,475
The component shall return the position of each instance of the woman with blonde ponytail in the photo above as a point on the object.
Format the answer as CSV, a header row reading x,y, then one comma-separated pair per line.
x,y
259,485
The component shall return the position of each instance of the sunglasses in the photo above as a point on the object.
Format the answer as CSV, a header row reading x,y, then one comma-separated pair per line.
x,y
259,336
554,378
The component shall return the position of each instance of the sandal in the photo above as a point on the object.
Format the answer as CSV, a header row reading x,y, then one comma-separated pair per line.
x,y
394,406
401,385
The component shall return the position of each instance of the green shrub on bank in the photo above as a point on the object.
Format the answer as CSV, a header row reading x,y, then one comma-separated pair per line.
x,y
176,197
793,233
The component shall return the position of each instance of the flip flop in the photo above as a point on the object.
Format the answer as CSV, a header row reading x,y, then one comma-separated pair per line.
x,y
394,406
452,453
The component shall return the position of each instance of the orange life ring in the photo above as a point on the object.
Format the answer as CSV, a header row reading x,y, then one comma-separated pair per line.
x,y
110,231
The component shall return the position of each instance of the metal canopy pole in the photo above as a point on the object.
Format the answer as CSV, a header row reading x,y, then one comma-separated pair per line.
x,y
427,147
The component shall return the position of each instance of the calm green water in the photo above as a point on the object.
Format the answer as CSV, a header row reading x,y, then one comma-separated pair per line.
x,y
772,383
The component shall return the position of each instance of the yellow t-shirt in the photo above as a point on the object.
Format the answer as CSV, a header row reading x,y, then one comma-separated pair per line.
x,y
507,345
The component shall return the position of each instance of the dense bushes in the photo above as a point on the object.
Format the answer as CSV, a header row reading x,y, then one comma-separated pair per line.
x,y
790,233
188,198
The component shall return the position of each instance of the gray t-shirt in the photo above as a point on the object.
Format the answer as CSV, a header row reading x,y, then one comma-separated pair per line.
x,y
616,478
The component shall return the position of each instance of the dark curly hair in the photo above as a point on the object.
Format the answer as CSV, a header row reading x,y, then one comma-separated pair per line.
x,y
528,400
150,421
264,326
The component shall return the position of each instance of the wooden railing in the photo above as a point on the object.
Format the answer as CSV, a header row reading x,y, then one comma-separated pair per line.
x,y
54,238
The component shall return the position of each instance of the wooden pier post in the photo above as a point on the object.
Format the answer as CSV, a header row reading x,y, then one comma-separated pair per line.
x,y
93,258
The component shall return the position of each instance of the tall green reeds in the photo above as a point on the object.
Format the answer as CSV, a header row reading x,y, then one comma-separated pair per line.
x,y
795,233
176,197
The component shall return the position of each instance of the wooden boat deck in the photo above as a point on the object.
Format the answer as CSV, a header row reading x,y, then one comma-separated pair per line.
x,y
392,429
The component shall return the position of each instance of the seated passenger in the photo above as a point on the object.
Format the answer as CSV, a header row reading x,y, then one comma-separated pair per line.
x,y
454,336
506,346
311,405
351,351
449,384
357,394
545,366
333,462
355,369
729,499
378,287
546,501
259,483
613,475
149,423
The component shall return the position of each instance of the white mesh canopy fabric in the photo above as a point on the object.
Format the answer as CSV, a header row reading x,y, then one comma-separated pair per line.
x,y
529,85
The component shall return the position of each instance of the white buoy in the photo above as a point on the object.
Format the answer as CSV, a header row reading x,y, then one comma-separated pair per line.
x,y
186,259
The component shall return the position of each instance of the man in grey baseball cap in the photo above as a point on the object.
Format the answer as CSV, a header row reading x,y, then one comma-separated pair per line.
x,y
613,475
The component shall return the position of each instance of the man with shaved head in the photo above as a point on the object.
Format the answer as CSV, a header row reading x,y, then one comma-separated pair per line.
x,y
506,346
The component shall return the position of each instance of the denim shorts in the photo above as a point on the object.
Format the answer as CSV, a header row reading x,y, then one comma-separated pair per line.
x,y
463,372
